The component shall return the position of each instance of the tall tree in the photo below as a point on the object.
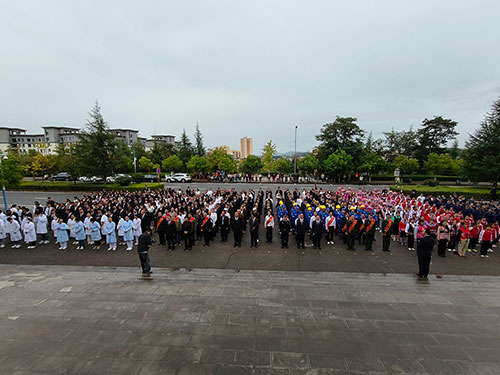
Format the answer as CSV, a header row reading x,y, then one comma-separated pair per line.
x,y
11,170
338,163
268,153
198,164
433,136
184,148
97,145
172,164
343,134
309,164
400,143
160,152
198,138
482,155
251,164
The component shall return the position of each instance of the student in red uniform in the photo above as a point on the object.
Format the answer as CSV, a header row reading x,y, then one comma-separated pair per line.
x,y
474,236
485,238
464,234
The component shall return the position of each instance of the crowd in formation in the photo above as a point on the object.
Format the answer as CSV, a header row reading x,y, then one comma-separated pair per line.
x,y
184,218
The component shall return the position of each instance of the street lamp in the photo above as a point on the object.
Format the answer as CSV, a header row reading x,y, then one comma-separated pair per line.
x,y
295,153
4,157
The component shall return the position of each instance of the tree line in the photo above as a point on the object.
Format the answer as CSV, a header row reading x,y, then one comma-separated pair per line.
x,y
344,150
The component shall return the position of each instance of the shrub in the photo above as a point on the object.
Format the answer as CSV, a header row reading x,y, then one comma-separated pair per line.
x,y
124,180
138,177
431,182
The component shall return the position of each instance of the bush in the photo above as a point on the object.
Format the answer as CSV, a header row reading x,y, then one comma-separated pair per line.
x,y
83,186
431,182
124,180
467,192
138,177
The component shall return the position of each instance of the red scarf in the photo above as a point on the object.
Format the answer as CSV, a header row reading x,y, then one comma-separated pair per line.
x,y
159,222
353,225
204,222
388,226
331,221
269,221
372,223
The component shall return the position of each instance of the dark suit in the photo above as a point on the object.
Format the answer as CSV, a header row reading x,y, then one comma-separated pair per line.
x,y
424,253
301,228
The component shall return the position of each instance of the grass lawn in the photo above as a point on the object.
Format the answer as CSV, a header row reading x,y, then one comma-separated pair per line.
x,y
481,192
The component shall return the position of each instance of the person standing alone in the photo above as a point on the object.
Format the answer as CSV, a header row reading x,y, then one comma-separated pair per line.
x,y
424,253
145,242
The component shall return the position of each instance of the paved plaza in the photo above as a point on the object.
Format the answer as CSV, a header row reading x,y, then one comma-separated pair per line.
x,y
101,320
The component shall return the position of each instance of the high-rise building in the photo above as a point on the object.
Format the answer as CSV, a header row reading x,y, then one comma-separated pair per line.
x,y
246,146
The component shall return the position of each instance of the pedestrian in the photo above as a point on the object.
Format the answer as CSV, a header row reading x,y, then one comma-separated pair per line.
x,y
464,234
29,233
424,254
238,227
369,232
224,226
110,230
285,228
41,223
350,229
62,234
206,227
301,227
485,238
443,236
386,233
13,228
79,233
128,233
186,234
253,227
330,226
317,232
137,222
269,225
145,242
95,233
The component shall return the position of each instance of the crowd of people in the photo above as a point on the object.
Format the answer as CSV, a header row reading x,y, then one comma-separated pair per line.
x,y
185,218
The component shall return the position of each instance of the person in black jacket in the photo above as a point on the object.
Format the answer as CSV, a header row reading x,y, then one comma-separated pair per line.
x,y
206,229
424,253
317,232
224,226
144,243
170,230
301,228
238,227
285,227
253,226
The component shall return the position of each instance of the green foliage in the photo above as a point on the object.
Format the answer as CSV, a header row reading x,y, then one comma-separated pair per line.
x,y
227,165
124,180
400,143
43,165
198,138
467,192
433,136
139,149
184,148
219,159
343,134
482,150
198,164
122,157
442,164
172,164
160,152
145,164
431,182
68,159
405,164
251,164
268,152
82,186
137,177
339,163
283,166
97,145
11,170
309,164
370,163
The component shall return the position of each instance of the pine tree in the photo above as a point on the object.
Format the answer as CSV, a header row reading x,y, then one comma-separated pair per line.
x,y
184,148
198,137
97,145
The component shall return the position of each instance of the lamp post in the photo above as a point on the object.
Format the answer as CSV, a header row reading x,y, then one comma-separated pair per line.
x,y
295,153
4,157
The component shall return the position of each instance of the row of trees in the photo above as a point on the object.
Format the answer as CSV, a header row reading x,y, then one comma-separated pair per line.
x,y
344,149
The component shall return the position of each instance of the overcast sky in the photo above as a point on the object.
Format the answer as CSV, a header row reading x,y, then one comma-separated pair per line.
x,y
248,68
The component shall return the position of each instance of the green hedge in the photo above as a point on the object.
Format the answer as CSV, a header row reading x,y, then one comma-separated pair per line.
x,y
468,192
416,177
83,186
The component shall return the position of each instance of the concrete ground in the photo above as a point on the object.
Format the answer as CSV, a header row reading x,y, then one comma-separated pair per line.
x,y
99,320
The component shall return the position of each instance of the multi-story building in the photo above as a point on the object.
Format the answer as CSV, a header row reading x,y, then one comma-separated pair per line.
x,y
246,146
235,153
53,136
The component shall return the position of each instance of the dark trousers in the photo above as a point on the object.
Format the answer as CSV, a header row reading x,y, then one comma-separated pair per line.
x,y
485,245
424,262
206,237
187,241
269,234
237,238
411,242
386,242
442,247
329,234
253,238
369,241
177,238
351,238
284,240
170,242
146,267
317,240
161,236
300,240
223,234
473,243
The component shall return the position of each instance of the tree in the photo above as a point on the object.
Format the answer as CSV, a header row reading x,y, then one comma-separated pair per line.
x,y
283,166
251,164
67,159
172,164
343,134
400,143
97,145
227,165
145,164
309,164
371,163
123,159
139,149
198,138
405,164
198,164
219,159
160,151
454,150
42,164
481,155
339,163
433,136
184,148
442,164
268,152
11,170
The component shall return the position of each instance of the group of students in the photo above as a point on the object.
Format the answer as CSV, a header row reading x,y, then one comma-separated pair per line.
x,y
190,216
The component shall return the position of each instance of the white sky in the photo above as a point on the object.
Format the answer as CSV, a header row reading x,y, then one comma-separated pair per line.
x,y
248,68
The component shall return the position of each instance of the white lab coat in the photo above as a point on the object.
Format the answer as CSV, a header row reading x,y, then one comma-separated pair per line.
x,y
29,232
71,225
13,228
137,227
41,224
